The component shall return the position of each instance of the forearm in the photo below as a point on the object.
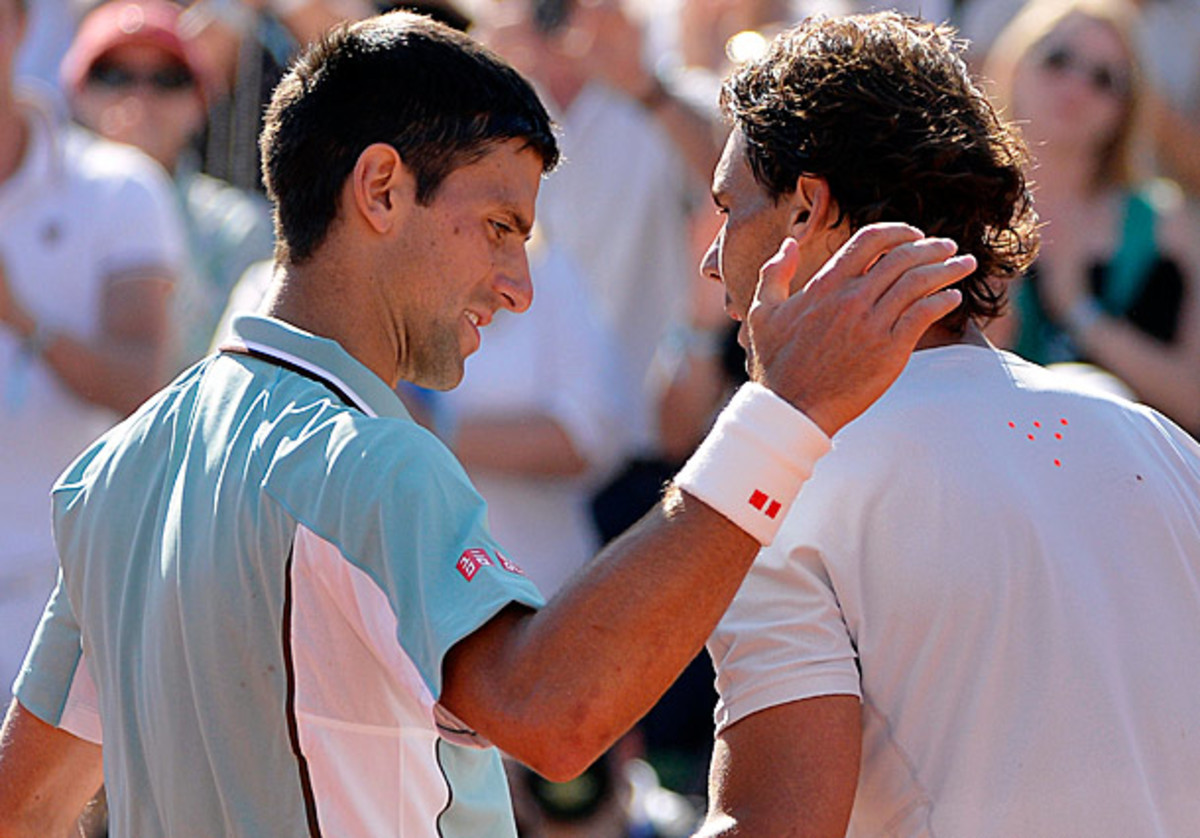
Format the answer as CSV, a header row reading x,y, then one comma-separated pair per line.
x,y
125,362
788,770
531,444
47,776
116,375
570,679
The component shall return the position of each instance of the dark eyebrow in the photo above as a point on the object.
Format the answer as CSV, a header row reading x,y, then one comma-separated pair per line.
x,y
524,225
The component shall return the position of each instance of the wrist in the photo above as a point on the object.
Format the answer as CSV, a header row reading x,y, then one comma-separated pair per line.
x,y
751,466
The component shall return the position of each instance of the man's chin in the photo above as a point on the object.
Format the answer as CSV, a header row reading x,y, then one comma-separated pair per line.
x,y
446,377
444,382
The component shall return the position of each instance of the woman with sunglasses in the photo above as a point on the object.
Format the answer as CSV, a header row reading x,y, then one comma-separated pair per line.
x,y
132,77
1115,283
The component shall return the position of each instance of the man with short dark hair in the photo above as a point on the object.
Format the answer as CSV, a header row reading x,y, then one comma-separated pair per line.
x,y
280,608
980,618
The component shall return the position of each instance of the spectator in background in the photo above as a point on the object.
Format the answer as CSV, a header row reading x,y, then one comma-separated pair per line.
x,y
131,77
618,796
90,245
1171,50
250,43
1168,37
636,159
538,420
1116,283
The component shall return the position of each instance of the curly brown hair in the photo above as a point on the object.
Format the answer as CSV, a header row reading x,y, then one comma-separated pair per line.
x,y
883,108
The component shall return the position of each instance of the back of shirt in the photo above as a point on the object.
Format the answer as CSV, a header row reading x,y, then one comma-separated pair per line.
x,y
1007,571
264,580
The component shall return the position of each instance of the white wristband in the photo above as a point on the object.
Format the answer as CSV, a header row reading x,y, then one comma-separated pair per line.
x,y
752,464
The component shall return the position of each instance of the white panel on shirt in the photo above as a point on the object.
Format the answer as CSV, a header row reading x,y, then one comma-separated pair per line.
x,y
364,712
81,715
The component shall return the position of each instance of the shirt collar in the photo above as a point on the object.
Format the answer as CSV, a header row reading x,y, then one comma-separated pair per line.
x,y
320,357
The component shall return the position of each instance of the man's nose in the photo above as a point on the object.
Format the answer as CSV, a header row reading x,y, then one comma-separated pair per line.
x,y
515,285
710,265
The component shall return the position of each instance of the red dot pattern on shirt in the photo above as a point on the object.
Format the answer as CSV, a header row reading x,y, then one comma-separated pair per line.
x,y
1058,436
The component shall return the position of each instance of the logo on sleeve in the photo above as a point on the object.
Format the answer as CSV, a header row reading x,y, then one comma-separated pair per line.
x,y
475,558
764,503
508,564
471,561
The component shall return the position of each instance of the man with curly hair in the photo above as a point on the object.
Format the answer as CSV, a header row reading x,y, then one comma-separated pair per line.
x,y
949,635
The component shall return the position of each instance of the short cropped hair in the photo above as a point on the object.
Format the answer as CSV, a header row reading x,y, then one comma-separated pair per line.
x,y
882,107
436,96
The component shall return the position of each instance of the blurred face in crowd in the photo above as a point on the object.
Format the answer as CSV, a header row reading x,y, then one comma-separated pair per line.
x,y
142,95
1073,87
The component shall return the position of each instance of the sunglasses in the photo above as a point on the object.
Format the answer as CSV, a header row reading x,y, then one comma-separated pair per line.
x,y
1103,77
170,79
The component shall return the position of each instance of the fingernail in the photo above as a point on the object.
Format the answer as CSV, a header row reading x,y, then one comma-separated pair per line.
x,y
965,259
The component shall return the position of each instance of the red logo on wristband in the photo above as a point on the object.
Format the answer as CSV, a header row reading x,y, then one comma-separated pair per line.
x,y
765,504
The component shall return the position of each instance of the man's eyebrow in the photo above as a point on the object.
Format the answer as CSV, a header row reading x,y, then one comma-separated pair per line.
x,y
523,225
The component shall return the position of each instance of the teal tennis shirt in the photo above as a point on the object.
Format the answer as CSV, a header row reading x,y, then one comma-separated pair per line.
x,y
261,572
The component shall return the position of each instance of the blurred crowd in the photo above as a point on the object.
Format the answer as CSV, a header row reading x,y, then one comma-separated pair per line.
x,y
133,228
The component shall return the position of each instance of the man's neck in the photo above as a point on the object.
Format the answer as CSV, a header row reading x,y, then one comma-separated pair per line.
x,y
939,335
314,298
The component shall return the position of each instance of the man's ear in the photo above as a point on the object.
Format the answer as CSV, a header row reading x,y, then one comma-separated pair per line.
x,y
382,187
812,209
